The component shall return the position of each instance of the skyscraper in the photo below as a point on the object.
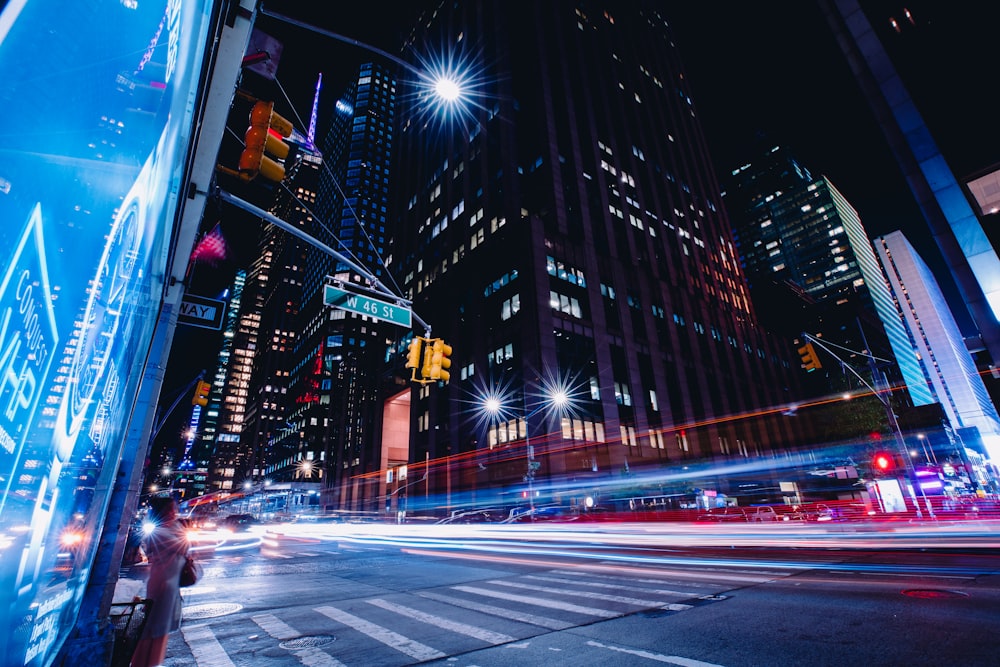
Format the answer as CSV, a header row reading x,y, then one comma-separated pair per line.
x,y
947,363
572,237
794,228
331,430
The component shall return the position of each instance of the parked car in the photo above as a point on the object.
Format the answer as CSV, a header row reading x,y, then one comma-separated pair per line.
x,y
475,516
763,513
724,515
541,514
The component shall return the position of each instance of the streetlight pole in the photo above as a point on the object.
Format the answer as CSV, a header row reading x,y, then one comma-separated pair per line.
x,y
883,385
554,399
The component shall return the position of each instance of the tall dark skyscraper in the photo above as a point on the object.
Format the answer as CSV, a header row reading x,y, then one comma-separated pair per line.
x,y
333,407
573,234
797,234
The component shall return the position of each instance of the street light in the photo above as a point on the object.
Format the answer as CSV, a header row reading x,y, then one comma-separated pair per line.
x,y
554,398
445,83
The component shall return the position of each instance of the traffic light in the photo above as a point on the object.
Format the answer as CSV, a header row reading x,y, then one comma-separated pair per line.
x,y
440,363
809,359
413,353
882,462
264,138
201,393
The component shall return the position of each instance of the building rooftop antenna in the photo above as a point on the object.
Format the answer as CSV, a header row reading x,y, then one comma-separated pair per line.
x,y
311,135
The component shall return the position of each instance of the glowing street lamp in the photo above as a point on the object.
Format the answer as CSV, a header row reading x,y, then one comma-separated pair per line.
x,y
555,398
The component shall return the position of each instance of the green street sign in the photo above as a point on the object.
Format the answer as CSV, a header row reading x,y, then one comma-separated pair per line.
x,y
365,305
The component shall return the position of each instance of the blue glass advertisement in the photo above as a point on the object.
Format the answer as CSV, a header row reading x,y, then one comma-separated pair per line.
x,y
98,99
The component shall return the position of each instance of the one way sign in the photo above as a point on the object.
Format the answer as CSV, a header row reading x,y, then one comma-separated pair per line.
x,y
199,311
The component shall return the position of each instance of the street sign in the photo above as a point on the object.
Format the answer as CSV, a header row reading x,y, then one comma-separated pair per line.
x,y
199,311
366,305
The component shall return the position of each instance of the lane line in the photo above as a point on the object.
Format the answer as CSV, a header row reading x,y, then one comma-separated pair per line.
x,y
539,602
205,648
659,657
482,634
394,640
519,616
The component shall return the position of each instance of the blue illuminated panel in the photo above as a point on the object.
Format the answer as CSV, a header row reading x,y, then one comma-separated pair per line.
x,y
97,105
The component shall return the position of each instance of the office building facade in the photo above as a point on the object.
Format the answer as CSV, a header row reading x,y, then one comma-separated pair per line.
x,y
570,235
792,228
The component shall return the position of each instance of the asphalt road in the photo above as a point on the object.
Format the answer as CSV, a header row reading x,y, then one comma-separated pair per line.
x,y
514,599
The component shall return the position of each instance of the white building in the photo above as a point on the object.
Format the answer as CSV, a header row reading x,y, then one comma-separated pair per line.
x,y
948,366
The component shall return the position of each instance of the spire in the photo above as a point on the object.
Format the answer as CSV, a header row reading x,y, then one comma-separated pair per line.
x,y
311,136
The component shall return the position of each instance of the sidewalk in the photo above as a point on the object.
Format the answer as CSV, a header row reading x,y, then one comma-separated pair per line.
x,y
131,583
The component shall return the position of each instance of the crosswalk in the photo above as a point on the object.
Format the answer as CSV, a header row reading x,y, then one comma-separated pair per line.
x,y
423,625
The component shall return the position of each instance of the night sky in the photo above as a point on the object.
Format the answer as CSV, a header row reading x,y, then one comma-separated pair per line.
x,y
768,69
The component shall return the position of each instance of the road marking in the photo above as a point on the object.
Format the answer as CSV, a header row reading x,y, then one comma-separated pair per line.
x,y
539,602
618,587
487,636
582,594
205,648
311,656
520,616
659,657
394,640
717,574
627,572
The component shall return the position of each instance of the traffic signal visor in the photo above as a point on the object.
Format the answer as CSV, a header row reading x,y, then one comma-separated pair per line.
x,y
201,393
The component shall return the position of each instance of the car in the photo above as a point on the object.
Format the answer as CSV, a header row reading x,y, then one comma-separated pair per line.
x,y
474,516
552,513
724,515
763,513
238,522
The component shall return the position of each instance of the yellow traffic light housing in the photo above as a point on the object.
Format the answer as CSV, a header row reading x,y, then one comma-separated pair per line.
x,y
440,363
201,393
413,353
263,139
810,361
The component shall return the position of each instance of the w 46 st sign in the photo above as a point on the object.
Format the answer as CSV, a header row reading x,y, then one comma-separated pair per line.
x,y
366,305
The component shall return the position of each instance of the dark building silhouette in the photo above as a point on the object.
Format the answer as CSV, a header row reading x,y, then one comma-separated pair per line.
x,y
571,233
912,62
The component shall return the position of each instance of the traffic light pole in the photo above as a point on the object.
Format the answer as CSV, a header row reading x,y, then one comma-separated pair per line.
x,y
377,285
890,415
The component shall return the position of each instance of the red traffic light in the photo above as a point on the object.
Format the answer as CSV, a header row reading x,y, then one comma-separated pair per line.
x,y
882,462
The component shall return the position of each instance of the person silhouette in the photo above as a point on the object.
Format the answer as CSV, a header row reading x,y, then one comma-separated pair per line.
x,y
166,547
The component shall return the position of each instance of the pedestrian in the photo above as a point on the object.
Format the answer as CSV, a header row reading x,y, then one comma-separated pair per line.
x,y
166,547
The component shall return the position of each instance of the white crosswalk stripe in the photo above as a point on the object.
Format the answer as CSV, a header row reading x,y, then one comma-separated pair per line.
x,y
205,648
454,626
311,656
502,612
539,602
582,594
612,586
410,647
